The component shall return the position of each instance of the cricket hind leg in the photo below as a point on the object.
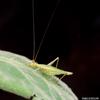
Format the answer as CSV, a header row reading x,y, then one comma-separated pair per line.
x,y
63,76
55,60
67,73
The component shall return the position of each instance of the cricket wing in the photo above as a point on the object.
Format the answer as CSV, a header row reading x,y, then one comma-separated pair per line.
x,y
50,70
60,72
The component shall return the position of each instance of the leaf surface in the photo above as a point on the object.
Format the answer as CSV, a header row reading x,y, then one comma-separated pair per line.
x,y
16,76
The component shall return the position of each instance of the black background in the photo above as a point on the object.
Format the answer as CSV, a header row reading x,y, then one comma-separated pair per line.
x,y
73,35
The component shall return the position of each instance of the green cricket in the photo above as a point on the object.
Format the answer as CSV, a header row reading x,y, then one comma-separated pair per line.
x,y
48,69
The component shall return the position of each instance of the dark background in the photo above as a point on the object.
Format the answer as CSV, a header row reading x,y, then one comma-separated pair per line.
x,y
73,35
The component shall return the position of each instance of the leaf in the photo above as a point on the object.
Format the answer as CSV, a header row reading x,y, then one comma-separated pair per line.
x,y
16,76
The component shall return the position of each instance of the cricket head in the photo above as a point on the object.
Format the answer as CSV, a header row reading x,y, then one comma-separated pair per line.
x,y
33,63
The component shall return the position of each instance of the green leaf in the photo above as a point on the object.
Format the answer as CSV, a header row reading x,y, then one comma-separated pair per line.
x,y
16,76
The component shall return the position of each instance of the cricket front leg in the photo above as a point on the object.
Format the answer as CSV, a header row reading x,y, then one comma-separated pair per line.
x,y
55,60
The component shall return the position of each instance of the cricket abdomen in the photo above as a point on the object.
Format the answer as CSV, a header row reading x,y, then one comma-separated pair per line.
x,y
50,70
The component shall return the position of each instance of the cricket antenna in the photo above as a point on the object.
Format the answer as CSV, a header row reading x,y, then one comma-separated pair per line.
x,y
33,12
49,22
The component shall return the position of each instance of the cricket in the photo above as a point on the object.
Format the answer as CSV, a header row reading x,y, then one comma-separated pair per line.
x,y
48,69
